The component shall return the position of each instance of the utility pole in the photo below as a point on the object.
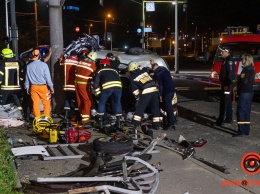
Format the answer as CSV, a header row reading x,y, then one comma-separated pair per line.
x,y
56,42
14,29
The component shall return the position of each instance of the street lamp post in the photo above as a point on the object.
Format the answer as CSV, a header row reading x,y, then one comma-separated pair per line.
x,y
7,23
176,27
106,29
36,21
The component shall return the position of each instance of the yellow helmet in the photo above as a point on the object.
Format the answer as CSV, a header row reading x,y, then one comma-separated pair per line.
x,y
132,66
92,56
7,53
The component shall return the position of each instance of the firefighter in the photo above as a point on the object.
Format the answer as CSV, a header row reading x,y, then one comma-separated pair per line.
x,y
83,76
107,83
38,84
145,91
9,78
69,68
226,76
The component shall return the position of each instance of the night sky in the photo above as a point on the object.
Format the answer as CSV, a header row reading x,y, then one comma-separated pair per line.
x,y
207,15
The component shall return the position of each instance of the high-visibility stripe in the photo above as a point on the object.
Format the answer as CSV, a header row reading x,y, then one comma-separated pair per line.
x,y
84,77
226,92
137,118
118,115
136,92
150,90
108,69
111,82
67,108
85,116
97,91
86,67
69,86
112,85
244,122
156,119
69,89
2,73
10,88
79,82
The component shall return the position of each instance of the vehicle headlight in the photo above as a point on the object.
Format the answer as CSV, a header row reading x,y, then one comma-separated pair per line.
x,y
215,75
257,76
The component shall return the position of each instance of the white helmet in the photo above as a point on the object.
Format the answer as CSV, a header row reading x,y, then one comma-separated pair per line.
x,y
92,56
132,66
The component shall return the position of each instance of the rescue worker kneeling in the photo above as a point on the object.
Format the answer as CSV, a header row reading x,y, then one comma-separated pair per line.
x,y
107,83
145,90
83,77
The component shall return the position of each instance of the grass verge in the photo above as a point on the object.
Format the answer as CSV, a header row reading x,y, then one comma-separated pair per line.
x,y
7,169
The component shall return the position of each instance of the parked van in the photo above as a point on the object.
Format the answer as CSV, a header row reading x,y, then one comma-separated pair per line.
x,y
239,45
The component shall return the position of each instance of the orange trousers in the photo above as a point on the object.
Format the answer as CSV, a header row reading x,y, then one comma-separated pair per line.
x,y
38,93
84,100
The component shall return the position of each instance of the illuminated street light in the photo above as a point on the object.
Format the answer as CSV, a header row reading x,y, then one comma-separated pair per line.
x,y
108,16
89,26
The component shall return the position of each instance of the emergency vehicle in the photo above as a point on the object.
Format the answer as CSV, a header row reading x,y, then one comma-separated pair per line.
x,y
239,45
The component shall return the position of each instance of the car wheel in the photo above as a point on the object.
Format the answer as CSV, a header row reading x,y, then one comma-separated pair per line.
x,y
113,146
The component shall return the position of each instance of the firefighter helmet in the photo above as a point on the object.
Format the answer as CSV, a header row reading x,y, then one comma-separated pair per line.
x,y
132,66
104,62
92,56
7,53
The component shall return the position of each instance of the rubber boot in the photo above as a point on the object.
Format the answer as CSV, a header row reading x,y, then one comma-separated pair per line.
x,y
101,123
118,122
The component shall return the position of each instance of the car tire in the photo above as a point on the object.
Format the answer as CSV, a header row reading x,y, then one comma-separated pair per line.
x,y
113,146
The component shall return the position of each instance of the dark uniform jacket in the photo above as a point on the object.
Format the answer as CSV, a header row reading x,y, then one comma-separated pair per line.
x,y
142,82
227,72
164,80
9,74
246,80
106,78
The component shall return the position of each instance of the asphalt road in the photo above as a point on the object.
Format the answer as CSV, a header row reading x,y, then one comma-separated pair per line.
x,y
201,174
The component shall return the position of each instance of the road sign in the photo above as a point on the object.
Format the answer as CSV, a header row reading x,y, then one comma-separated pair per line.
x,y
150,7
148,30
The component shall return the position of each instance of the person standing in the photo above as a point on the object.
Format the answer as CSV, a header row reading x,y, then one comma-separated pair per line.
x,y
69,68
145,91
9,78
166,92
38,84
83,77
107,84
226,76
245,93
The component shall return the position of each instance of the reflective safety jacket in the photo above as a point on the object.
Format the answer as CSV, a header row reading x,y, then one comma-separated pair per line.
x,y
106,78
69,69
142,82
9,74
85,71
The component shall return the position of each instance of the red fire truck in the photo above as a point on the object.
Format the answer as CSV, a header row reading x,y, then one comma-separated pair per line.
x,y
239,45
